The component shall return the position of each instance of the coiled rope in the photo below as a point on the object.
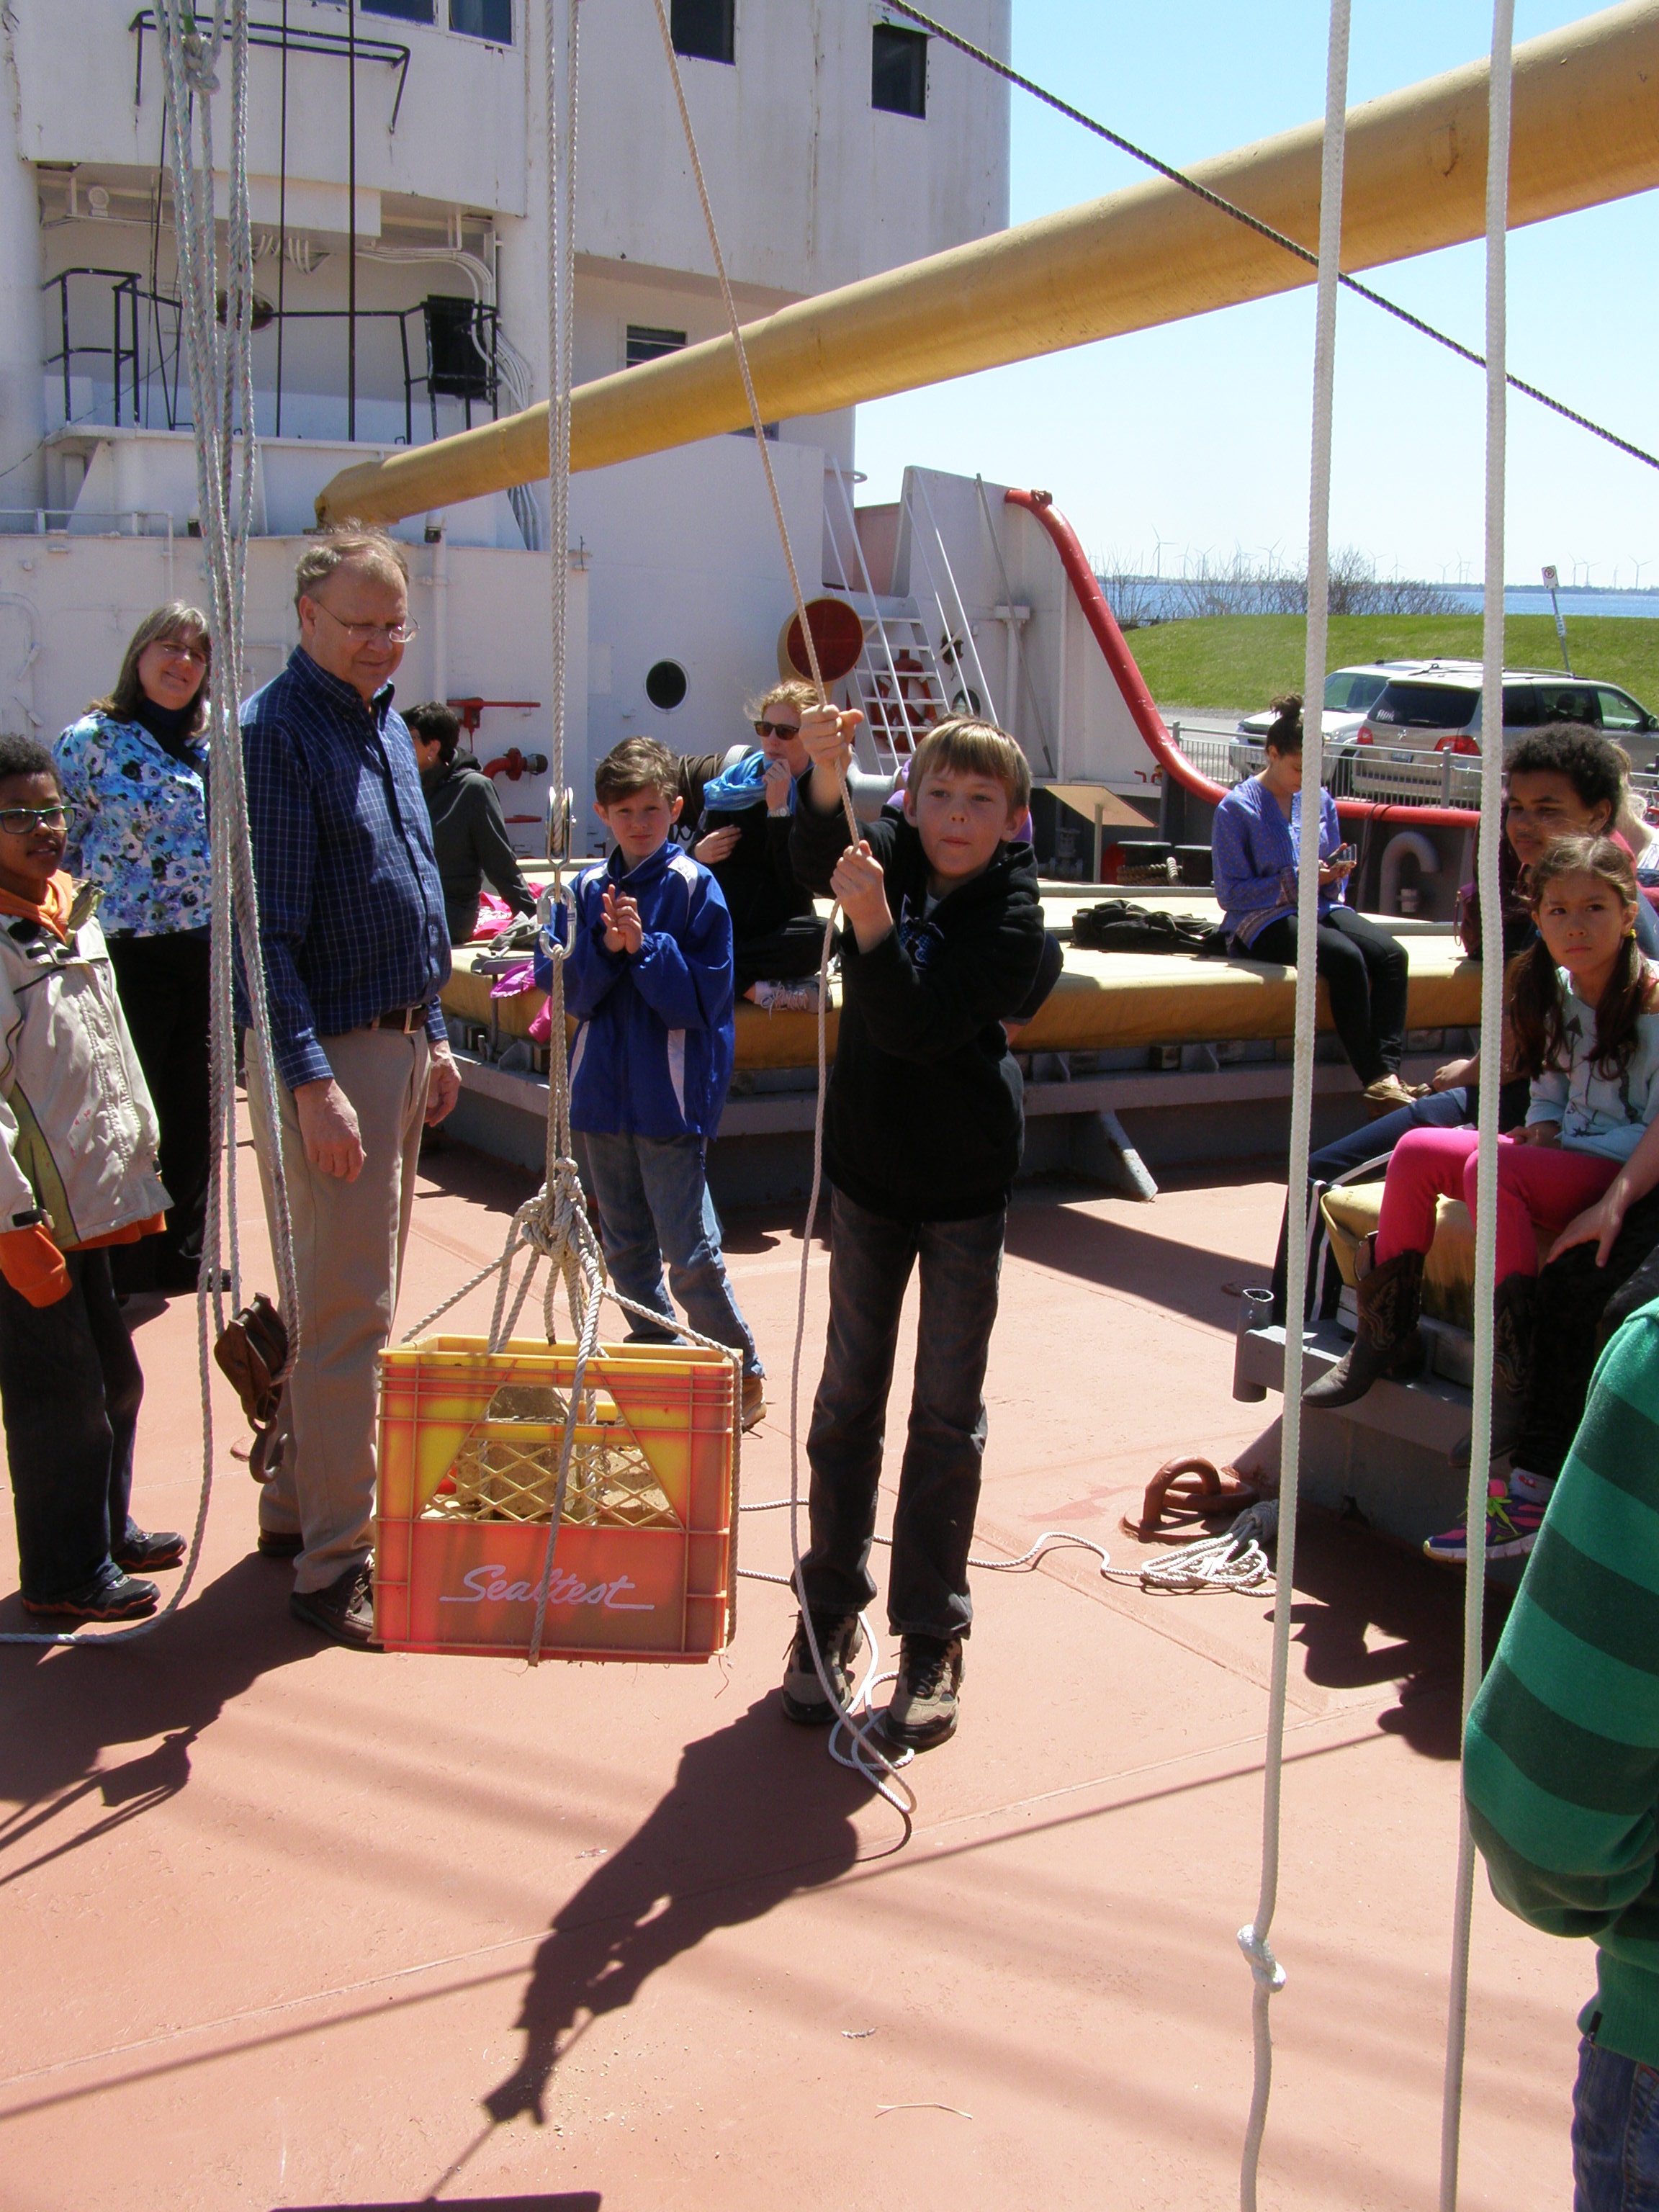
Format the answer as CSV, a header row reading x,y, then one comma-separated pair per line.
x,y
218,350
1268,1976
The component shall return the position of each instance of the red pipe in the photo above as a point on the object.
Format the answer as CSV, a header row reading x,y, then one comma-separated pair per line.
x,y
1139,700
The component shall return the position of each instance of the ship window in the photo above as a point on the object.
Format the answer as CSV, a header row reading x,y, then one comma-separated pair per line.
x,y
409,11
705,29
898,71
646,343
666,685
483,19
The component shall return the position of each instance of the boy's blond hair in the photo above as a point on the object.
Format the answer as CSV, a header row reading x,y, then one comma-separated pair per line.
x,y
969,747
637,764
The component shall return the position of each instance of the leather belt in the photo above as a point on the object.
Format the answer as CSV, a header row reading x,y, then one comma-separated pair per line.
x,y
405,1019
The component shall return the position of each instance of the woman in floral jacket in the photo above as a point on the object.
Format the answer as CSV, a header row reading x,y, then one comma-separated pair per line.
x,y
133,770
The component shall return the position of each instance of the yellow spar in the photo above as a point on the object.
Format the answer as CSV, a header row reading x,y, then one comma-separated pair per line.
x,y
1586,129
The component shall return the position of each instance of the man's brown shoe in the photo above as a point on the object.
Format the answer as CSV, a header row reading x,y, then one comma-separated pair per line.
x,y
344,1610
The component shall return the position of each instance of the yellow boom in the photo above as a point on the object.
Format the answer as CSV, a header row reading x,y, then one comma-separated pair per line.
x,y
1586,129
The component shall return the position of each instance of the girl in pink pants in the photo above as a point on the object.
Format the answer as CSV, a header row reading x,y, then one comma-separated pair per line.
x,y
1585,1007
1540,1185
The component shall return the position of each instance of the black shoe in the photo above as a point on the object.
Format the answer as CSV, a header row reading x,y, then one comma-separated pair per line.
x,y
141,1554
804,1699
109,1596
344,1611
277,1544
925,1702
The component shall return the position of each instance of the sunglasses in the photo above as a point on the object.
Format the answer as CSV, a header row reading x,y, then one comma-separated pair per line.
x,y
21,821
777,729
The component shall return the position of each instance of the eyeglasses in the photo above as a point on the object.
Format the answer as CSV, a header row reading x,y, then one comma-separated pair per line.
x,y
381,633
777,729
20,820
193,654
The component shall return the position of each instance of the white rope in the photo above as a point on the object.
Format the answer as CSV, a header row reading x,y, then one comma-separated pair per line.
x,y
1269,1974
1491,1017
561,355
220,360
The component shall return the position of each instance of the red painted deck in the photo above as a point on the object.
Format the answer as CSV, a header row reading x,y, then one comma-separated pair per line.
x,y
286,1925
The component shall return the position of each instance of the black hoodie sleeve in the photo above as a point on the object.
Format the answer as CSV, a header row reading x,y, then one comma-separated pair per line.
x,y
817,841
492,848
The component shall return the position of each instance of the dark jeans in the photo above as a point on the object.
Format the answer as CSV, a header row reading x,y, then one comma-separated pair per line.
x,y
165,987
1615,2133
70,1390
870,1262
1365,973
1578,1307
781,955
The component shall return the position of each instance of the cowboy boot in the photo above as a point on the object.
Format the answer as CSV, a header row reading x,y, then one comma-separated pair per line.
x,y
1387,1341
1512,1317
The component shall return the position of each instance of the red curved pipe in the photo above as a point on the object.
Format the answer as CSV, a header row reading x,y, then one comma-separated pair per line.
x,y
1139,701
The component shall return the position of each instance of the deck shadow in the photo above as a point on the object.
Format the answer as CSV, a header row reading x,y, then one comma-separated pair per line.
x,y
751,1821
565,2200
65,1708
1349,1580
1113,1255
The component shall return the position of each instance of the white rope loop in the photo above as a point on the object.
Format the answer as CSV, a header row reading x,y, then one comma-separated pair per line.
x,y
1269,1974
1499,88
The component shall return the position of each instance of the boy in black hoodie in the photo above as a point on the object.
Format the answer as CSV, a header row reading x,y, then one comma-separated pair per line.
x,y
923,1128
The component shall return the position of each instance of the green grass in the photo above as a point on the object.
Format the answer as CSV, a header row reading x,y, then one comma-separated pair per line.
x,y
1242,660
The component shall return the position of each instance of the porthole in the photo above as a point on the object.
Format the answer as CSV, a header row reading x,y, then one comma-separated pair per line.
x,y
666,685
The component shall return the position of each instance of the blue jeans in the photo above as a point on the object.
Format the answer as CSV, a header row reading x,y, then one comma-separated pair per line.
x,y
870,1262
653,1205
70,1390
1615,2133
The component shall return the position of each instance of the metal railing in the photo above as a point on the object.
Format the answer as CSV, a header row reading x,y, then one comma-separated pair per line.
x,y
445,376
295,39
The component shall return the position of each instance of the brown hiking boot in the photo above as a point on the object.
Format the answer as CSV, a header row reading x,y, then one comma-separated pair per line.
x,y
1387,1341
926,1697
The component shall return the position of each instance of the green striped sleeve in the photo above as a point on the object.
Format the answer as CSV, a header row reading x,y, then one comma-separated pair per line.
x,y
1561,1756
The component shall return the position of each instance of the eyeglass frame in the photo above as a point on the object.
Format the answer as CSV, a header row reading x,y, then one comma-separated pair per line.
x,y
32,817
389,633
777,729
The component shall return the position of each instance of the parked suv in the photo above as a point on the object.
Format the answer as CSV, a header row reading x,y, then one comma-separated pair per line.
x,y
1349,692
1436,708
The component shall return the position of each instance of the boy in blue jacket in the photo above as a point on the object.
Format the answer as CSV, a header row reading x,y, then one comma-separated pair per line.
x,y
649,980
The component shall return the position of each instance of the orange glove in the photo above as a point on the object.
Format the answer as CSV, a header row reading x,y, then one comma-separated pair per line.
x,y
33,1265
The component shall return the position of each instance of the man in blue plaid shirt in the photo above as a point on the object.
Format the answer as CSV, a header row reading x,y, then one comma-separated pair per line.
x,y
355,948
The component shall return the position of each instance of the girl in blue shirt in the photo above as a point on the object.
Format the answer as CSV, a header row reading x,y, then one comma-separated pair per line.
x,y
1255,843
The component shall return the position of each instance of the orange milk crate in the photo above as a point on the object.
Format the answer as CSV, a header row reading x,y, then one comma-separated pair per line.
x,y
468,1453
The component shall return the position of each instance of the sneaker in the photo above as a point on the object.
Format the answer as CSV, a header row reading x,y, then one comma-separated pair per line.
x,y
925,1701
281,1544
110,1595
754,1401
788,998
1512,1524
344,1610
1387,1094
838,1644
139,1554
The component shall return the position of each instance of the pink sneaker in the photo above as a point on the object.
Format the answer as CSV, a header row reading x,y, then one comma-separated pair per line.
x,y
1512,1524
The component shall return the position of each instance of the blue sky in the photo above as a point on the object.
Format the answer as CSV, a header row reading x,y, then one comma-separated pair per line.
x,y
1197,435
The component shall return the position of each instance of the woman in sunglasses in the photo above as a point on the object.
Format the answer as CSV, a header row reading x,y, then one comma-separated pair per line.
x,y
739,805
133,770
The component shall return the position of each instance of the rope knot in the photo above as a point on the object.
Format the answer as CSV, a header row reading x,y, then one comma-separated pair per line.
x,y
1263,1965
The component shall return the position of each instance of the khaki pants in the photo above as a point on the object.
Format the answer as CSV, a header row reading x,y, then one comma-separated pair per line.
x,y
349,1240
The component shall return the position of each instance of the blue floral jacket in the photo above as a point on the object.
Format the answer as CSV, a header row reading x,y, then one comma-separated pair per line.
x,y
138,825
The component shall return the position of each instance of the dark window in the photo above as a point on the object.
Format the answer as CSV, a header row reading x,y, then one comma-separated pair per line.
x,y
898,71
483,19
1520,707
1568,703
705,29
665,684
410,11
1426,707
647,344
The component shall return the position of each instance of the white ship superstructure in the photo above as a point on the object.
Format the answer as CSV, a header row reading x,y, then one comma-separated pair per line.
x,y
397,181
